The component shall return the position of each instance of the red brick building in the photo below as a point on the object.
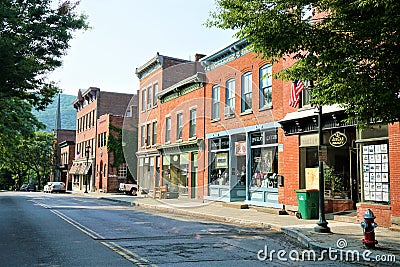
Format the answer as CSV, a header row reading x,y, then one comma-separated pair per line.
x,y
64,139
109,170
164,145
67,156
90,105
243,105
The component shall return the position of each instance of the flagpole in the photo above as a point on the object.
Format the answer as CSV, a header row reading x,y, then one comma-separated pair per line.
x,y
322,224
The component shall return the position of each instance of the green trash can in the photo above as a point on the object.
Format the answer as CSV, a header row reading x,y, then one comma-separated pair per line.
x,y
308,201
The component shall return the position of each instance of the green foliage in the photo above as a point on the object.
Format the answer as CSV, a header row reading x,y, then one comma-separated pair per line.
x,y
351,53
68,113
34,35
32,156
114,145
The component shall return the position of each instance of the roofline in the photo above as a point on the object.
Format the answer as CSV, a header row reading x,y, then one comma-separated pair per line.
x,y
198,77
224,50
156,59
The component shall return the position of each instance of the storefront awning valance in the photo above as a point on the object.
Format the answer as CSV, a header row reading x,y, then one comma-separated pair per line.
x,y
306,121
182,146
74,169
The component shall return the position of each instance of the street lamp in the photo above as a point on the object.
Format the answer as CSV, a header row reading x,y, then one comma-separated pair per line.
x,y
87,149
322,224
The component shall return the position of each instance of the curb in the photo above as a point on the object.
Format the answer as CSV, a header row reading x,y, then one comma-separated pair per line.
x,y
291,231
231,220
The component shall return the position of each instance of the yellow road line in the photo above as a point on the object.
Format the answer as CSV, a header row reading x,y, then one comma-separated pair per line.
x,y
127,254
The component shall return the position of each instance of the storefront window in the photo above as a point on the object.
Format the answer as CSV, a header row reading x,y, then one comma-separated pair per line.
x,y
219,168
219,158
264,167
264,161
175,173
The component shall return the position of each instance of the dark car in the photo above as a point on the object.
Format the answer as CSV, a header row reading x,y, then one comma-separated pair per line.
x,y
28,187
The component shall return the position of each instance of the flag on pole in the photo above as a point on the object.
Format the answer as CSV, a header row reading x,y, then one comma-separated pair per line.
x,y
295,91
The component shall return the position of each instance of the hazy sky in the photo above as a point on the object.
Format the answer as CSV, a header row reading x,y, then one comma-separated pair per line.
x,y
126,34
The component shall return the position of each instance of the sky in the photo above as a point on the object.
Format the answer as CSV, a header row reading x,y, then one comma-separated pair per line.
x,y
125,34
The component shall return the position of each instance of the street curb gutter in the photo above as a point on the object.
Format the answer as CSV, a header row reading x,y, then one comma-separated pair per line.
x,y
199,214
288,230
303,239
210,216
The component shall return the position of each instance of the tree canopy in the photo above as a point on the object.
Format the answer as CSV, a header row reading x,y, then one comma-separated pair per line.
x,y
34,35
350,49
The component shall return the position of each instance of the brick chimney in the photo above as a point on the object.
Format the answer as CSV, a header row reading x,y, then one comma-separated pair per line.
x,y
197,57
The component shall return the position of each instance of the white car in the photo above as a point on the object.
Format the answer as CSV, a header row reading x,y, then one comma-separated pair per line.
x,y
46,188
55,187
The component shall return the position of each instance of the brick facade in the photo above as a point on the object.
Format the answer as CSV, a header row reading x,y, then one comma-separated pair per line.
x,y
394,166
157,75
107,176
90,105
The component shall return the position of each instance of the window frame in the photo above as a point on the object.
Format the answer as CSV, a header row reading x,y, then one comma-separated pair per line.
x,y
192,122
155,91
216,102
179,126
142,135
230,93
266,86
148,134
247,91
154,135
167,129
144,105
149,97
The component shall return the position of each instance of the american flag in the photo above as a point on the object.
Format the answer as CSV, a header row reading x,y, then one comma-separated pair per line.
x,y
295,91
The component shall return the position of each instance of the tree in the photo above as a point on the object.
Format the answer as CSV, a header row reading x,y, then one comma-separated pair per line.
x,y
350,49
34,35
30,155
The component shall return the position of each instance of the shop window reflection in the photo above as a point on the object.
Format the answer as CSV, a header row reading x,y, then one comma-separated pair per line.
x,y
264,167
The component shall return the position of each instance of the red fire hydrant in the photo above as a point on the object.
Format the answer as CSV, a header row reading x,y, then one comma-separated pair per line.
x,y
368,226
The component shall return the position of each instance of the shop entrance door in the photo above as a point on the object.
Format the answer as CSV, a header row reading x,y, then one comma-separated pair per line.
x,y
193,182
354,177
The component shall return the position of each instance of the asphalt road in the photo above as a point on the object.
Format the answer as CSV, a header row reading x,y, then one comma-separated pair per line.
x,y
39,229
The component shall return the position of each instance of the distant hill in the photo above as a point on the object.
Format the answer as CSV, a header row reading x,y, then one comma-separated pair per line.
x,y
68,113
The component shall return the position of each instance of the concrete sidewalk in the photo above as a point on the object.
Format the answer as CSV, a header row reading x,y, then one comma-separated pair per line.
x,y
345,236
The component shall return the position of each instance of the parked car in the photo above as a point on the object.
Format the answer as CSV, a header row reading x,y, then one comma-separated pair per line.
x,y
46,188
57,187
28,188
129,189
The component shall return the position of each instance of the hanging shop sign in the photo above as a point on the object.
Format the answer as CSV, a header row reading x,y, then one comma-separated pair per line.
x,y
338,139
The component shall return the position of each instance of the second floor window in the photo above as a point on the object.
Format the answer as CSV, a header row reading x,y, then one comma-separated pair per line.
x,y
155,91
142,136
192,125
167,129
179,126
143,99
215,109
148,130
230,93
246,92
305,96
266,86
154,139
149,97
